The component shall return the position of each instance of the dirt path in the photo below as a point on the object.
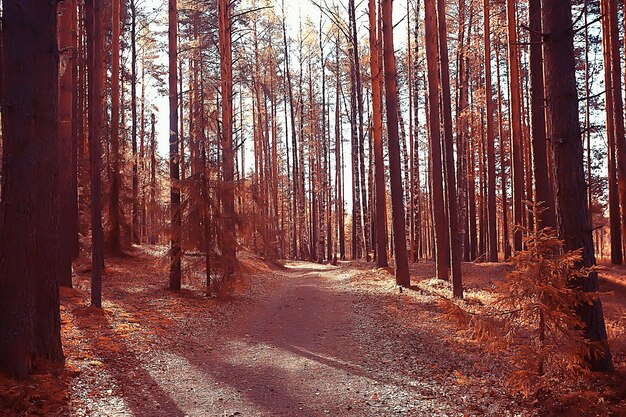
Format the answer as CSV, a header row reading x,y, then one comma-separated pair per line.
x,y
311,340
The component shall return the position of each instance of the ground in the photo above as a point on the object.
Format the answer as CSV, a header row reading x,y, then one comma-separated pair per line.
x,y
301,339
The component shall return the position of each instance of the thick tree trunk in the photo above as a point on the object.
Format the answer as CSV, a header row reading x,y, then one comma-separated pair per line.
x,y
391,100
562,102
29,208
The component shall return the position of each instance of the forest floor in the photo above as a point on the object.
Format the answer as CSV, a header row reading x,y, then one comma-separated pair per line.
x,y
301,339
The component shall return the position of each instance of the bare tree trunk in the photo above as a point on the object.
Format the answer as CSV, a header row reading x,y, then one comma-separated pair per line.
x,y
448,140
574,228
432,60
391,100
377,121
65,137
614,208
226,76
618,104
506,247
114,200
175,249
133,106
516,125
29,297
492,253
543,191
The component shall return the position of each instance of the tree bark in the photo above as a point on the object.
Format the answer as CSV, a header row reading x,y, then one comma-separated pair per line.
x,y
175,249
391,101
516,125
618,104
614,208
448,140
114,201
432,60
29,207
377,121
492,253
543,189
67,199
226,76
574,227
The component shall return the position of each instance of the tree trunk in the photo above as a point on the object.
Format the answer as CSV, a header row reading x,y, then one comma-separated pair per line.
x,y
432,60
226,76
618,104
391,101
562,101
543,191
448,140
95,66
29,208
492,253
114,200
377,120
133,107
516,125
175,249
65,138
614,208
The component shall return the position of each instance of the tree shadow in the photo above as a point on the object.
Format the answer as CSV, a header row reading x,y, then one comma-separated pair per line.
x,y
139,390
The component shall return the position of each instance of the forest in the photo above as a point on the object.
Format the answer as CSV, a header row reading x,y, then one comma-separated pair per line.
x,y
313,207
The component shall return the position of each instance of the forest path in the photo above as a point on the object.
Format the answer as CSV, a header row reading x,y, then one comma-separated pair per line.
x,y
306,340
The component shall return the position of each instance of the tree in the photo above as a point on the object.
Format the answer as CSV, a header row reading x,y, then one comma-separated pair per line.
x,y
67,196
565,135
543,191
29,297
377,120
95,67
492,253
115,245
516,124
391,104
453,212
432,59
226,77
175,249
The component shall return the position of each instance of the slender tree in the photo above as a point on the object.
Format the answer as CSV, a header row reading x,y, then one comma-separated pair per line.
x,y
492,253
115,215
175,248
377,121
391,102
66,115
226,77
